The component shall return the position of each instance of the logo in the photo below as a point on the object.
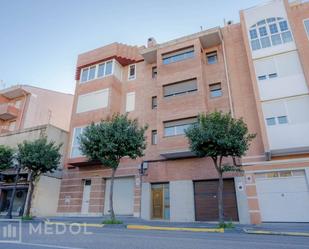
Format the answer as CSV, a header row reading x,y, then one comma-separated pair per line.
x,y
10,230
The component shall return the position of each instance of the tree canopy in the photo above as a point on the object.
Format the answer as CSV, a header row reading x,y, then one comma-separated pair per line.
x,y
39,156
112,139
6,157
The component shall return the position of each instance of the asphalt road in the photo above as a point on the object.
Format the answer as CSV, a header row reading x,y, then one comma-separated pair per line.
x,y
116,238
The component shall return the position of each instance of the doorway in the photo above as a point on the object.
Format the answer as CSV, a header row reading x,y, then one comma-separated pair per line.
x,y
160,201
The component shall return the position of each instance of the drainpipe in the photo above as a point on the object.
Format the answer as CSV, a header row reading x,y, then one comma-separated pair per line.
x,y
227,76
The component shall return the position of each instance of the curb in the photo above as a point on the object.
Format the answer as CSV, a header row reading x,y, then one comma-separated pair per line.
x,y
209,230
74,223
264,232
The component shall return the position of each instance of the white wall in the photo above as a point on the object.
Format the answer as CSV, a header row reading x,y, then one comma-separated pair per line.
x,y
290,80
118,70
182,201
92,101
242,201
146,201
294,133
45,196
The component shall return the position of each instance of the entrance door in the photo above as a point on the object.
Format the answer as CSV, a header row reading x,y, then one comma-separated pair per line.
x,y
206,201
86,197
157,203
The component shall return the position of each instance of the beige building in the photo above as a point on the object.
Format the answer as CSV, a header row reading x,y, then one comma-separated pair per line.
x,y
28,113
256,69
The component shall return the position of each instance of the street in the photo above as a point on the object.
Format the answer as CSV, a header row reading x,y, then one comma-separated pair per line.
x,y
117,238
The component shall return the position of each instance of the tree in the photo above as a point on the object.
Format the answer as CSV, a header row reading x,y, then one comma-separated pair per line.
x,y
218,135
111,140
37,157
6,157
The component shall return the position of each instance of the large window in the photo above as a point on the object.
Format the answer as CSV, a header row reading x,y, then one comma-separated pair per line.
x,y
75,151
306,23
92,101
96,71
269,32
179,55
177,127
179,88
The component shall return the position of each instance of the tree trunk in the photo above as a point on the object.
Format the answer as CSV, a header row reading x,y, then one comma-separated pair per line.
x,y
111,205
220,199
9,213
29,196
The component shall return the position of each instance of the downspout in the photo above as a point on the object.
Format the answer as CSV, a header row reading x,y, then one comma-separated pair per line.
x,y
227,76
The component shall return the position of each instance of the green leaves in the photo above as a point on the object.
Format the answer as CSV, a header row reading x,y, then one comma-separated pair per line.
x,y
113,139
39,156
218,135
6,157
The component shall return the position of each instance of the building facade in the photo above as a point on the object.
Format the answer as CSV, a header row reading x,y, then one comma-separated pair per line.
x,y
256,69
28,113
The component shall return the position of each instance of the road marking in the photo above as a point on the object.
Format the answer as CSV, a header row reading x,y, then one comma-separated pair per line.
x,y
209,230
44,245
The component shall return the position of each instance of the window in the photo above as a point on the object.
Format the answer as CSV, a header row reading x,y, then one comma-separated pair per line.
x,y
212,57
12,126
215,90
75,151
96,71
262,77
130,102
177,127
18,104
92,101
183,87
154,72
306,23
132,72
179,55
282,120
272,75
271,121
154,137
154,102
270,32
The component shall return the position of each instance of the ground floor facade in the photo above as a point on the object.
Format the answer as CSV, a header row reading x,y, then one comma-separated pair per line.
x,y
185,190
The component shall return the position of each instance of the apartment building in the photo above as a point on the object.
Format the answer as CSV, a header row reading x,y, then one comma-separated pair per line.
x,y
256,69
28,113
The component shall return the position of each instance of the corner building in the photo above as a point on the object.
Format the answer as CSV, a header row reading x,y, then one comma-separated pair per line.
x,y
256,69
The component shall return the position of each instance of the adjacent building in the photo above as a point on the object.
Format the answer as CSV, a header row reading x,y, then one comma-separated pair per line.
x,y
28,113
257,69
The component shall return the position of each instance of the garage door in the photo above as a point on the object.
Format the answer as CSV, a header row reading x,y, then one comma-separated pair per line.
x,y
283,196
206,201
123,197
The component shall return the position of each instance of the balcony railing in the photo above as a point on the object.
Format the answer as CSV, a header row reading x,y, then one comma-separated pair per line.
x,y
8,111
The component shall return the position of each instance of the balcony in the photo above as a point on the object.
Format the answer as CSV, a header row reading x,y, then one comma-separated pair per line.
x,y
8,111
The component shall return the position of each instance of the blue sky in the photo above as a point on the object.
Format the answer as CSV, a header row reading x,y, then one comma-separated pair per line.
x,y
40,39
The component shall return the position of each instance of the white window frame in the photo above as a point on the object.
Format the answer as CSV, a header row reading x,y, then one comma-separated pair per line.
x,y
96,71
127,95
132,77
307,31
72,142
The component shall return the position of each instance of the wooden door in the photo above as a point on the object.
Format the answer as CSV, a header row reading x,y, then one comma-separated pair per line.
x,y
206,201
157,203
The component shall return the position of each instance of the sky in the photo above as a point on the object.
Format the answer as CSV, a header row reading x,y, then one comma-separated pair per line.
x,y
41,39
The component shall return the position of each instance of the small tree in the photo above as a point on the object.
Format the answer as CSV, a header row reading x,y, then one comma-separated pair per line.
x,y
37,157
111,140
6,157
218,135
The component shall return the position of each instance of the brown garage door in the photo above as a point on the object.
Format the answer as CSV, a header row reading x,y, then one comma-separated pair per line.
x,y
206,201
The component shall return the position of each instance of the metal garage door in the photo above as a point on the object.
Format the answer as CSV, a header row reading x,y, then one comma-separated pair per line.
x,y
206,201
283,196
123,196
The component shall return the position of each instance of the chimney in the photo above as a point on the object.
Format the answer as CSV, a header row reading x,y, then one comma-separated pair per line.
x,y
151,42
